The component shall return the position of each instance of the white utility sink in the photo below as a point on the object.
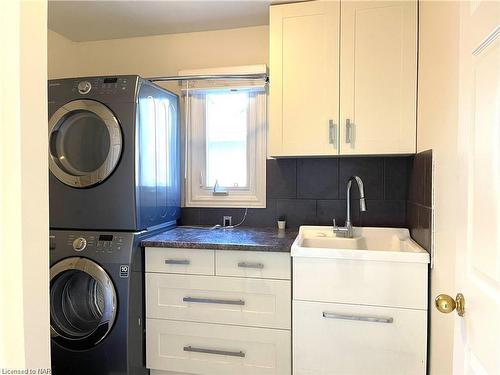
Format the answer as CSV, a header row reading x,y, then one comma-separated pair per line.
x,y
383,244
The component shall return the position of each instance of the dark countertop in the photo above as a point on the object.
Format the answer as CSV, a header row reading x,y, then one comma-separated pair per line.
x,y
255,239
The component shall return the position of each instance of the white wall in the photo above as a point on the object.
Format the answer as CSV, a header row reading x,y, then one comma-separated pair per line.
x,y
437,129
62,56
158,55
24,261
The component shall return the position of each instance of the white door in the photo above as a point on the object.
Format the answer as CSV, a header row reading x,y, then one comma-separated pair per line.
x,y
378,77
477,334
304,75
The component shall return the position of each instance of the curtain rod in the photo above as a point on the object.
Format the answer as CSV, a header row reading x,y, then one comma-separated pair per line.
x,y
249,76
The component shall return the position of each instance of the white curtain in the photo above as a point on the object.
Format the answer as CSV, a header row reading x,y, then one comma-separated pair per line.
x,y
194,120
257,113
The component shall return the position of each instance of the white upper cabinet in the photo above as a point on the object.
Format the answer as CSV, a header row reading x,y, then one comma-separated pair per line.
x,y
304,71
371,107
378,77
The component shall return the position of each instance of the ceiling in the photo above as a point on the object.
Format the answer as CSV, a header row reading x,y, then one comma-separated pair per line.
x,y
98,20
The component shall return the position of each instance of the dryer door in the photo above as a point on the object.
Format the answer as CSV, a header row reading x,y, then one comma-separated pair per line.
x,y
82,303
85,143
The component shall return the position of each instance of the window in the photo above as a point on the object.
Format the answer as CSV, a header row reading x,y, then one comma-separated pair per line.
x,y
226,148
226,137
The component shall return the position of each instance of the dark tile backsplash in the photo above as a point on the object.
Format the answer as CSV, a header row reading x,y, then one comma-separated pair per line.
x,y
281,178
313,191
396,170
371,171
419,205
317,178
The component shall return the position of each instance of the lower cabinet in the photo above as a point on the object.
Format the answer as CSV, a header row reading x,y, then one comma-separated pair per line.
x,y
218,312
332,338
231,313
359,317
201,348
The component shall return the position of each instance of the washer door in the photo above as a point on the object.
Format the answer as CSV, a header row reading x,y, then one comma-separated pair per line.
x,y
85,143
82,303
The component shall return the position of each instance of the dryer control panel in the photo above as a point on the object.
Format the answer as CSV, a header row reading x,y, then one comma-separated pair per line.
x,y
102,85
110,89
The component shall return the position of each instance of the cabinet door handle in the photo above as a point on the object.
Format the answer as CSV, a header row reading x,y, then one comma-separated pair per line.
x,y
229,353
250,265
332,133
348,131
238,302
374,319
177,261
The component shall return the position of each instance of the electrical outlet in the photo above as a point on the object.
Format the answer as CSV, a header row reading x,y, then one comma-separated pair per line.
x,y
227,221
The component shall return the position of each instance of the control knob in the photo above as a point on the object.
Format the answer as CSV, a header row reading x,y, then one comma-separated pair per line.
x,y
84,87
79,244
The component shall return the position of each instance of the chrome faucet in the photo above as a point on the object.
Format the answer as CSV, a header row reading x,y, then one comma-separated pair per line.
x,y
346,231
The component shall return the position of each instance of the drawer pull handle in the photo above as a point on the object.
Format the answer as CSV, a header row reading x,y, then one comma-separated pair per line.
x,y
250,265
348,131
332,133
214,351
238,302
374,319
177,261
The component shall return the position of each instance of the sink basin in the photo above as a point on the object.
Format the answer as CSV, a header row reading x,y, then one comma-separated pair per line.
x,y
384,244
332,242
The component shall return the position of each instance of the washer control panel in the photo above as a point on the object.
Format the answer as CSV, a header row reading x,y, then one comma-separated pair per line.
x,y
101,243
103,246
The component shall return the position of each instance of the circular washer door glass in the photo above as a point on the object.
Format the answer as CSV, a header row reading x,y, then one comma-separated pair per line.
x,y
85,143
82,303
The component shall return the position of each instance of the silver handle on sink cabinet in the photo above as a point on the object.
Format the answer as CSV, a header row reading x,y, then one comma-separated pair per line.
x,y
348,131
238,302
193,349
374,319
250,265
177,261
332,133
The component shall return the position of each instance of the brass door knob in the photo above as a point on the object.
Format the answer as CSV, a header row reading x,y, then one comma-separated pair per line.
x,y
446,304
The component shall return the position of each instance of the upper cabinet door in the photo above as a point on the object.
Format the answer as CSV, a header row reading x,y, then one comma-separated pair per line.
x,y
378,75
304,79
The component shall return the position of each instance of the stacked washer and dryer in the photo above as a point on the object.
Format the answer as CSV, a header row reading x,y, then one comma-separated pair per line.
x,y
114,180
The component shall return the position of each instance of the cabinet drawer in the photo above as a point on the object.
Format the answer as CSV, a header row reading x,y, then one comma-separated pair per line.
x,y
200,348
333,338
225,300
187,261
393,284
267,265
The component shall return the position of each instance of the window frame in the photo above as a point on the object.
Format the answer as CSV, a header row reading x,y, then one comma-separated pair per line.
x,y
254,195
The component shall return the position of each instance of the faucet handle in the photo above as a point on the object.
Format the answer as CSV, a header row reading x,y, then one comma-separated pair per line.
x,y
334,223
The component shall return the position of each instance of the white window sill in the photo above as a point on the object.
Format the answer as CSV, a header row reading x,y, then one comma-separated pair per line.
x,y
234,201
